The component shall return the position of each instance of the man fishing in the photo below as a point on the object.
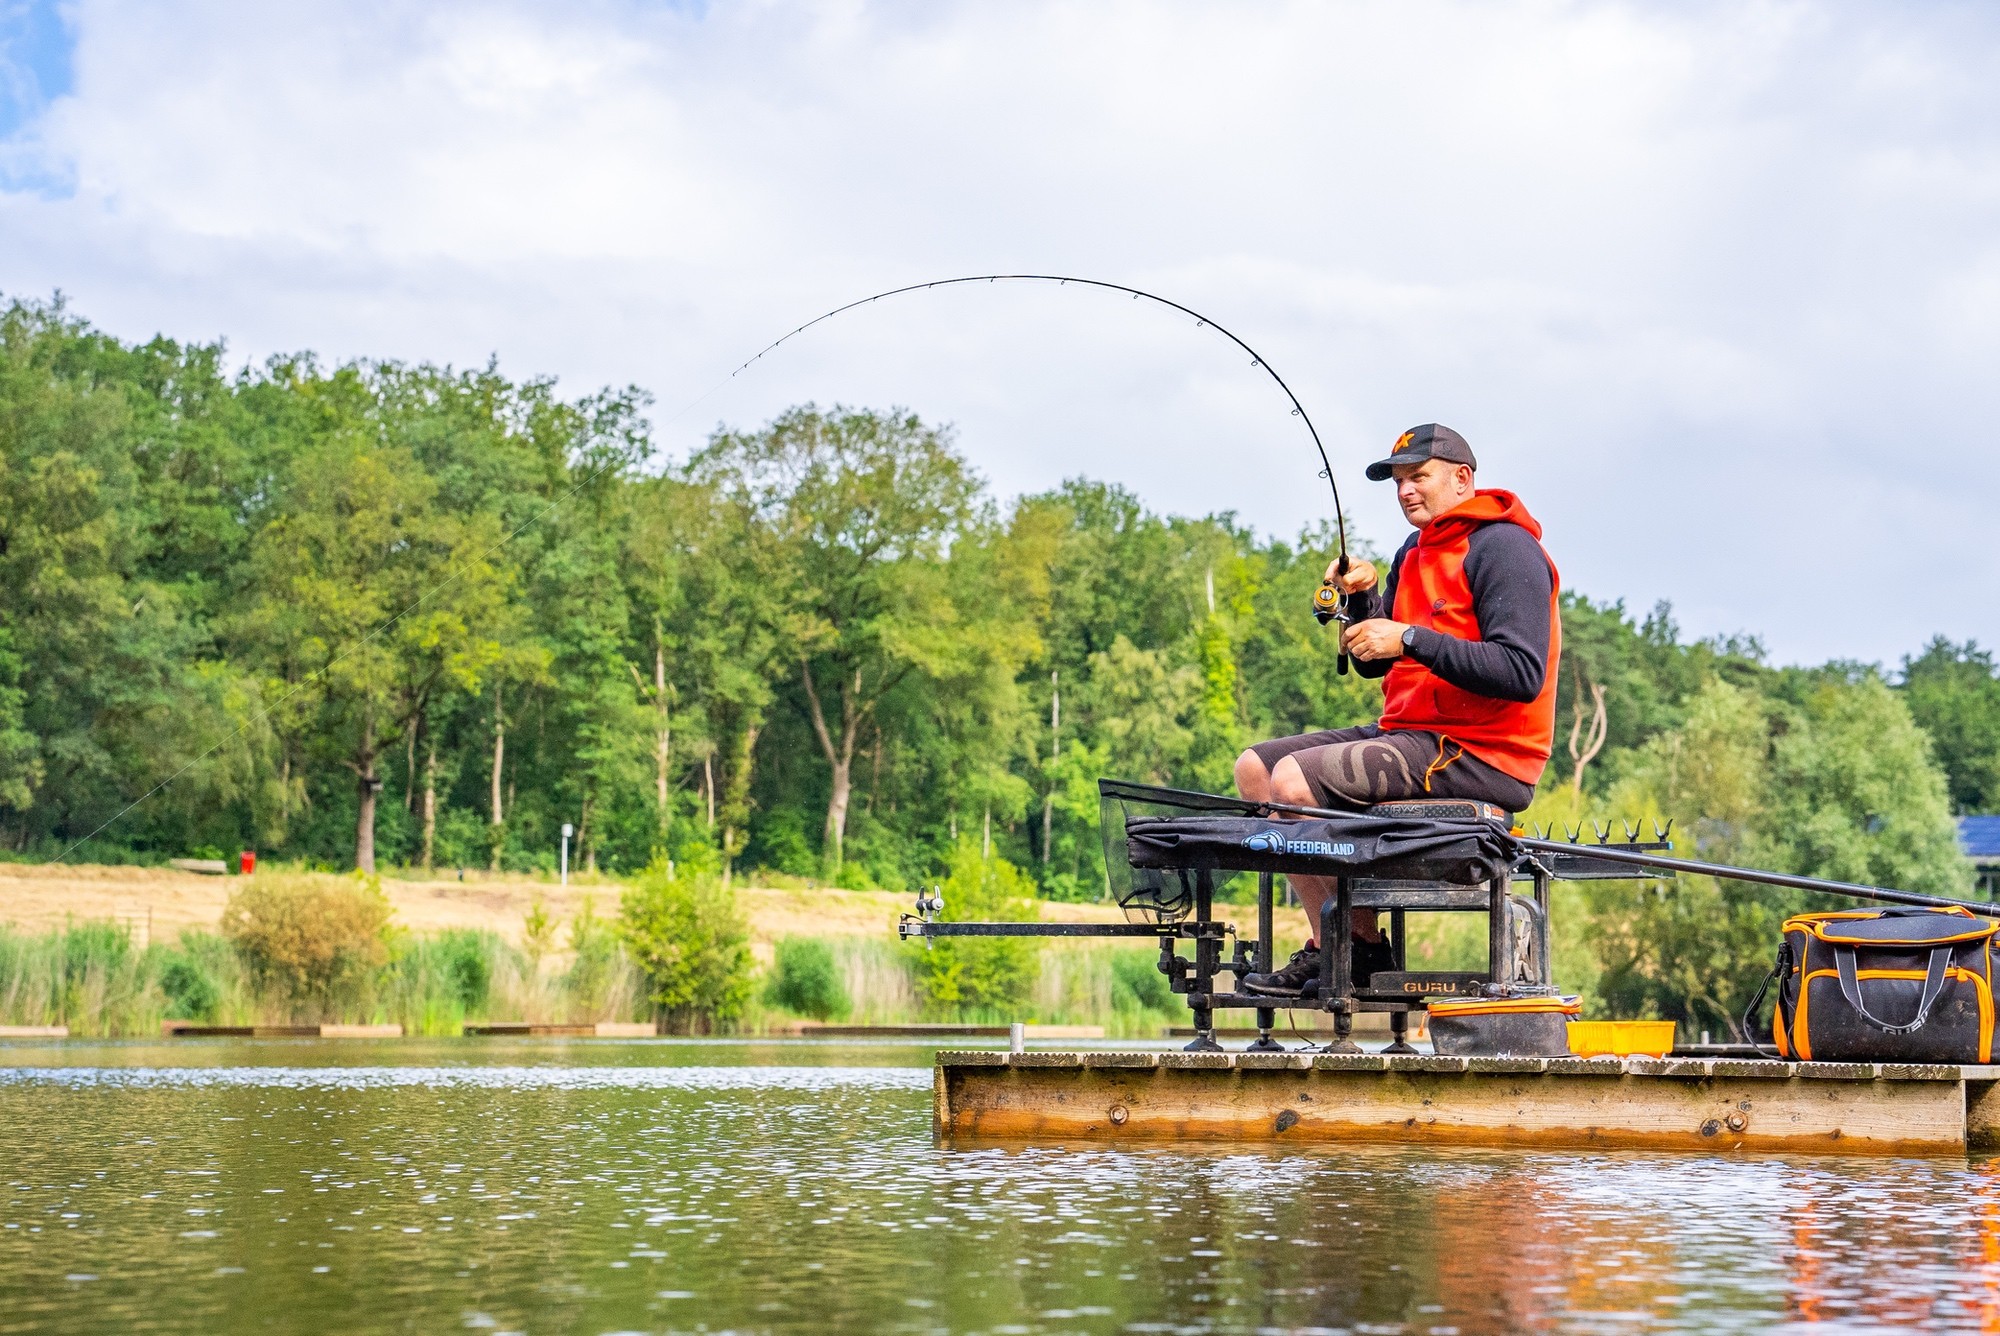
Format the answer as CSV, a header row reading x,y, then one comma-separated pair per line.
x,y
1467,634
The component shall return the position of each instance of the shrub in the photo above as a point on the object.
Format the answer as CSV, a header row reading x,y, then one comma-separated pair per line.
x,y
689,938
1138,985
84,975
966,977
538,932
192,995
593,945
436,982
312,941
805,979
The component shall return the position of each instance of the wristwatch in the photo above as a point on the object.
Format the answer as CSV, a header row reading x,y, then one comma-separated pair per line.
x,y
1409,637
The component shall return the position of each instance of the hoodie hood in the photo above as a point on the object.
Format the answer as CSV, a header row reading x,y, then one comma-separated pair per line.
x,y
1487,505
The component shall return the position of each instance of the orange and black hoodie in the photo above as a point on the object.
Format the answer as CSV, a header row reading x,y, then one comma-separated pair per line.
x,y
1481,669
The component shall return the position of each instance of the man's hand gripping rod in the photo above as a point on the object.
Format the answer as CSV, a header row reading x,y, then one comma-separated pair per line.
x,y
1330,605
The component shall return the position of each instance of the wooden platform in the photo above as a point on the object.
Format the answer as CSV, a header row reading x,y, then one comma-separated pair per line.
x,y
1699,1104
190,1030
582,1030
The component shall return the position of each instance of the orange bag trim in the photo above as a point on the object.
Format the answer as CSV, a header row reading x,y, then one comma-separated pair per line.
x,y
1503,1006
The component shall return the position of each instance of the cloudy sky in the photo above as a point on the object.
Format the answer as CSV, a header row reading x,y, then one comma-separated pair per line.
x,y
1715,288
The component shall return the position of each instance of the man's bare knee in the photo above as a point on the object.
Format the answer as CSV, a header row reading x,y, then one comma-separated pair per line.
x,y
1253,780
1288,784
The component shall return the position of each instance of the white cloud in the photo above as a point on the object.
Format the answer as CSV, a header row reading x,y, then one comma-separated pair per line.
x,y
1711,286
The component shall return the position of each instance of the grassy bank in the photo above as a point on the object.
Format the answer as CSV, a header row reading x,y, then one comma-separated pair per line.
x,y
291,949
93,977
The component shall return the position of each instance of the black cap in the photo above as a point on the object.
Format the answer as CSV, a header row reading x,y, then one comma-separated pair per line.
x,y
1430,441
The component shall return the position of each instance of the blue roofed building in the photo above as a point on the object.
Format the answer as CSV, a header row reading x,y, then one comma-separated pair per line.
x,y
1979,839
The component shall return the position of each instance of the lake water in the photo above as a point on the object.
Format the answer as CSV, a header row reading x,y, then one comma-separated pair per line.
x,y
520,1185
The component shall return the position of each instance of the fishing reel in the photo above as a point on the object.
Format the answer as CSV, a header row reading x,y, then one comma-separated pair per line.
x,y
1330,605
930,904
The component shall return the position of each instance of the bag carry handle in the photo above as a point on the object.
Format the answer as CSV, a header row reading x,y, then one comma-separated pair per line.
x,y
1850,988
1777,973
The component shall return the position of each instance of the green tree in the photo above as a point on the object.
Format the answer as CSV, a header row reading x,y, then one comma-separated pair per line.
x,y
368,600
120,487
1857,791
1953,692
851,514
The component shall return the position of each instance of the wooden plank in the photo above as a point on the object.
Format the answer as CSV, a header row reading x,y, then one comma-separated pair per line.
x,y
1596,1108
34,1032
974,1057
1145,1060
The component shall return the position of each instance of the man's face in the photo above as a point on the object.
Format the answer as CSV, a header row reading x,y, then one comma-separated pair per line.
x,y
1427,490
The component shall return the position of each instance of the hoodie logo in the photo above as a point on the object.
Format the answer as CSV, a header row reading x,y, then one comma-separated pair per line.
x,y
1274,842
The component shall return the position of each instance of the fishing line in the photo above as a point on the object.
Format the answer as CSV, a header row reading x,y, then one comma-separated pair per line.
x,y
1256,360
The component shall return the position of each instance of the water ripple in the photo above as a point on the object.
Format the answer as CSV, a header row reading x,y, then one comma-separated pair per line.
x,y
487,1078
190,1199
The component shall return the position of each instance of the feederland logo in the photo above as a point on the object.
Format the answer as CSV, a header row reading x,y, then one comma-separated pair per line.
x,y
1274,842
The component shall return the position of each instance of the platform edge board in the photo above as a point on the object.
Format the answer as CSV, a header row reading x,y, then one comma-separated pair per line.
x,y
1922,1071
1684,1067
1273,1062
971,1057
1757,1069
1044,1059
1126,1060
1587,1066
1505,1066
1839,1071
1200,1097
1350,1062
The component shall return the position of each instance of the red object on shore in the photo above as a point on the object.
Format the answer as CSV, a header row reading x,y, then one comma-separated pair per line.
x,y
247,862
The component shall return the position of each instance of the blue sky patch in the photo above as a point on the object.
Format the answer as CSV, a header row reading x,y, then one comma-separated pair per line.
x,y
35,66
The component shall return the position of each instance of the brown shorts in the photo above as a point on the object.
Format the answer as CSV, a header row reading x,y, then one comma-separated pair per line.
x,y
1356,767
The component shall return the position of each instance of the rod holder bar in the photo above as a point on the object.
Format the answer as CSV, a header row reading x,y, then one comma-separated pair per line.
x,y
1859,892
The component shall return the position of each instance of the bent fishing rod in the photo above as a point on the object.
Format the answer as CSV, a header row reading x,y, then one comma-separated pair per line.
x,y
1329,602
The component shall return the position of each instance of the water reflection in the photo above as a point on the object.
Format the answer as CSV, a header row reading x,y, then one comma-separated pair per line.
x,y
532,1195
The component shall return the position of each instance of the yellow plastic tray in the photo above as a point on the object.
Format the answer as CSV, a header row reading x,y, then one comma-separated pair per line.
x,y
1621,1039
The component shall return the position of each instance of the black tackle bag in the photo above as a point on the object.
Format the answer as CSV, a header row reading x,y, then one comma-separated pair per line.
x,y
1884,985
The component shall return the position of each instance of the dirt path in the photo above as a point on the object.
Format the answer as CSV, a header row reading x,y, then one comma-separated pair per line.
x,y
157,903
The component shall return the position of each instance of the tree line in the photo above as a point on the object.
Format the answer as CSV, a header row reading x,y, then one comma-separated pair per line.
x,y
381,612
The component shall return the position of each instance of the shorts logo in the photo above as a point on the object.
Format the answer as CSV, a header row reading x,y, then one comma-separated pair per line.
x,y
1274,842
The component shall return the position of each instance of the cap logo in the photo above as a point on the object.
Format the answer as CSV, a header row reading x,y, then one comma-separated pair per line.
x,y
1402,442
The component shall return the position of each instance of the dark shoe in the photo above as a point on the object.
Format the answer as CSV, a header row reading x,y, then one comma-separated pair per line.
x,y
1368,957
1298,978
